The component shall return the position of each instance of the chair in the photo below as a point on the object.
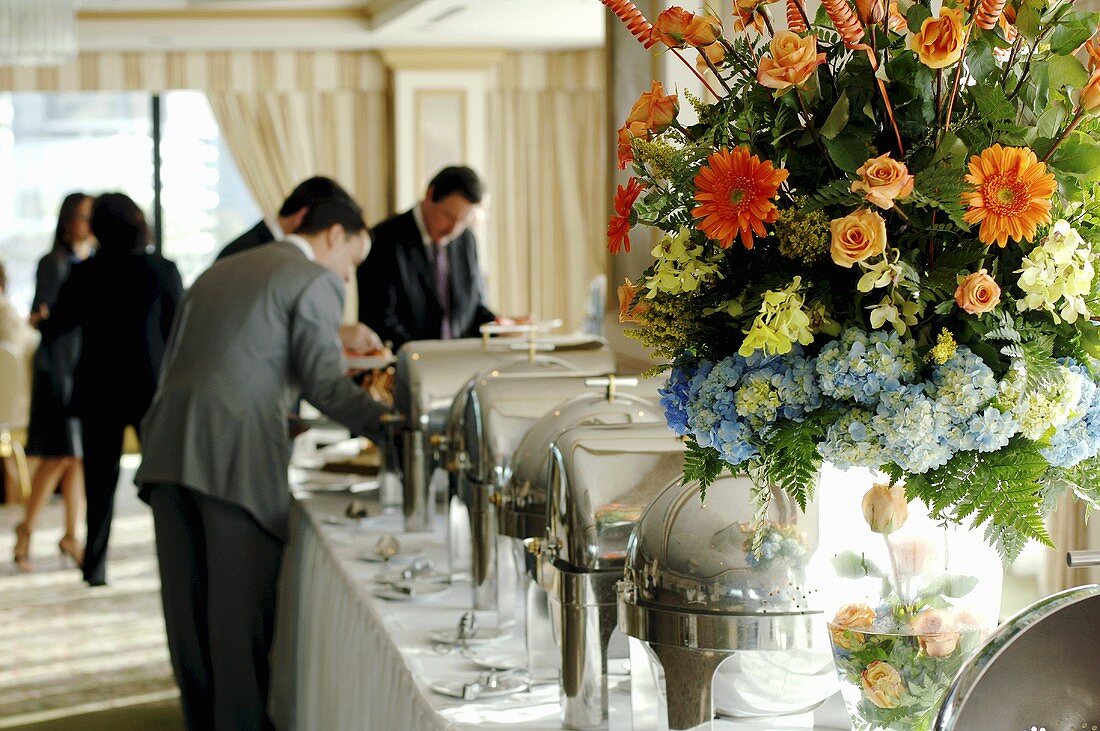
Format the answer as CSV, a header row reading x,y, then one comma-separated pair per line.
x,y
14,411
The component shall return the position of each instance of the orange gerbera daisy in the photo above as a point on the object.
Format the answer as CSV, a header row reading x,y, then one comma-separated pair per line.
x,y
618,228
734,191
1012,194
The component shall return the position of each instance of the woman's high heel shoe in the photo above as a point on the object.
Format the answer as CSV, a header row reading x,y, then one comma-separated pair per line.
x,y
21,553
71,547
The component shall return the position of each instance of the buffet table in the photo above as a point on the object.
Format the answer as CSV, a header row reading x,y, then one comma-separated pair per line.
x,y
347,659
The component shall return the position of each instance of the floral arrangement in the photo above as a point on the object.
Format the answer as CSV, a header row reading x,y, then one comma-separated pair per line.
x,y
897,660
778,543
876,246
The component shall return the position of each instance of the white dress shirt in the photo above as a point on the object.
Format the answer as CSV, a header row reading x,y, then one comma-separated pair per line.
x,y
301,244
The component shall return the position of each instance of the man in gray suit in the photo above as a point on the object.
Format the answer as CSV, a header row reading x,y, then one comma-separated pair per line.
x,y
254,331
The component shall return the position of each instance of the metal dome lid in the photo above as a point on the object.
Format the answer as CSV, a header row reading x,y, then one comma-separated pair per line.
x,y
522,511
602,478
692,557
502,405
430,373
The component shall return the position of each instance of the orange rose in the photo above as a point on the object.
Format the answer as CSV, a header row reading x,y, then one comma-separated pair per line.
x,y
848,618
936,630
977,293
895,19
882,684
748,16
715,53
627,292
1092,48
702,31
857,237
882,179
940,41
1090,95
627,133
671,26
654,109
885,507
792,62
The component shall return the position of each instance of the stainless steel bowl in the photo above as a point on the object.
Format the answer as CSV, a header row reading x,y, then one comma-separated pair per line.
x,y
1039,670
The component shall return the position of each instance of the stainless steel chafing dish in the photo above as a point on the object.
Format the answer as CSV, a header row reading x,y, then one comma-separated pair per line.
x,y
695,592
521,507
1040,669
601,480
429,374
497,409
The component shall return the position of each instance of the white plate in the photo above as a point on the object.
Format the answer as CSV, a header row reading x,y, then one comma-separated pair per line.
x,y
490,660
395,558
507,686
421,592
483,636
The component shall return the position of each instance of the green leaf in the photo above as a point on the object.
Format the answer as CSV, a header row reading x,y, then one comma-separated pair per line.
x,y
1078,155
993,103
1070,35
850,565
951,585
950,149
1050,122
979,59
1027,21
916,16
838,118
848,149
702,464
1067,71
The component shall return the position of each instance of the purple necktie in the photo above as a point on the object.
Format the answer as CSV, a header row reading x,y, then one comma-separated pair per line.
x,y
443,288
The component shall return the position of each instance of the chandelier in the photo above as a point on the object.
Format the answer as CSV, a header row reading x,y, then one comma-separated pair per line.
x,y
37,32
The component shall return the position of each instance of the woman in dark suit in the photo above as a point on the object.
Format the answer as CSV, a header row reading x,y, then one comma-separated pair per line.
x,y
123,301
52,435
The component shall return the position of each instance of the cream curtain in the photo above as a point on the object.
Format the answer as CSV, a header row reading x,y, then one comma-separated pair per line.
x,y
1070,533
548,155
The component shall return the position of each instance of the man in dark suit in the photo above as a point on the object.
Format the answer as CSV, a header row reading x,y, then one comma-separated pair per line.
x,y
307,194
253,332
422,280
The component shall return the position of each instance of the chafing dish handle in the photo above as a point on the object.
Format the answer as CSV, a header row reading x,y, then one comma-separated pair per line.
x,y
609,382
1082,559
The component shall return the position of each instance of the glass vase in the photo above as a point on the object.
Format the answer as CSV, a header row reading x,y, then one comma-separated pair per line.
x,y
911,600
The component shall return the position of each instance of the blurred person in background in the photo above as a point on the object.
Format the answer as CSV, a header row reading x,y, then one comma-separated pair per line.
x,y
422,280
22,339
123,301
53,435
356,337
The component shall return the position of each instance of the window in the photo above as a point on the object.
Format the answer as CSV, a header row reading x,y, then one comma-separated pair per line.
x,y
53,144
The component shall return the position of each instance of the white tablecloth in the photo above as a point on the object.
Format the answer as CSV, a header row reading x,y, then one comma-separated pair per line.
x,y
345,659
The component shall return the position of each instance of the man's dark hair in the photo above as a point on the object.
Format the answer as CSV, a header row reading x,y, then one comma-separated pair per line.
x,y
309,193
3,278
119,224
457,179
340,210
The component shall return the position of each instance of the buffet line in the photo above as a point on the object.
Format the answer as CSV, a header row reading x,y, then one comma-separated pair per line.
x,y
568,535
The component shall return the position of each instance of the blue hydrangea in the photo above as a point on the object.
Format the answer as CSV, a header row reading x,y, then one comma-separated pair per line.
x,y
680,390
741,398
851,442
1079,438
963,385
913,432
860,366
988,431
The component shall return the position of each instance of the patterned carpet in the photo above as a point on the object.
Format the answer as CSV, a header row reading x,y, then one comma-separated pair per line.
x,y
67,650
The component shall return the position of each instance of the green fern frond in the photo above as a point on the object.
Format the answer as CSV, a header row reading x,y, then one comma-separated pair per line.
x,y
836,193
702,464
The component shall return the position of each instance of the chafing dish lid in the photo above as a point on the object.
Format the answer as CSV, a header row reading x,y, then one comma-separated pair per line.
x,y
686,555
602,478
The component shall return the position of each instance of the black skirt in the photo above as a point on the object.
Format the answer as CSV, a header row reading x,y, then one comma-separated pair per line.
x,y
52,431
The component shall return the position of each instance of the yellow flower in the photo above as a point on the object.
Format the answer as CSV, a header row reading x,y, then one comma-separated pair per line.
x,y
885,508
977,293
848,618
944,349
936,629
940,41
792,62
782,322
857,237
882,684
882,180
